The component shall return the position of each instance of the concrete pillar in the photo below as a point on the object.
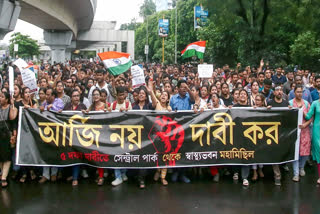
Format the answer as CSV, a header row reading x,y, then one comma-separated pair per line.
x,y
130,44
9,13
119,47
58,41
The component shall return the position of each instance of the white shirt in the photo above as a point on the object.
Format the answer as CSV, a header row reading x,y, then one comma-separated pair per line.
x,y
105,87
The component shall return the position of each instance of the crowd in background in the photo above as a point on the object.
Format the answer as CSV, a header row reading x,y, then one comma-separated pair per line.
x,y
87,86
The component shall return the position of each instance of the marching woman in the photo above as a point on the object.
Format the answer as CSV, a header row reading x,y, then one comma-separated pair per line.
x,y
8,112
315,146
305,138
75,105
142,104
258,102
160,105
27,102
215,104
243,102
98,105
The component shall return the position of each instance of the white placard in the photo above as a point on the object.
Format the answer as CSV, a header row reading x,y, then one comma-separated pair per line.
x,y
21,64
15,47
137,76
205,70
11,81
29,79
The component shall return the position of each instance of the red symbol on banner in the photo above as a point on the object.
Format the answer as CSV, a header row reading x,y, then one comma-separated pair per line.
x,y
63,156
167,136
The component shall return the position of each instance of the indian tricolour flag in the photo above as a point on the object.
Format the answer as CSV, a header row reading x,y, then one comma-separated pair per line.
x,y
194,49
116,62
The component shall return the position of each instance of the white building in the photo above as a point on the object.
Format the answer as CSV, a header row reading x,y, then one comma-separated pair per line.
x,y
163,5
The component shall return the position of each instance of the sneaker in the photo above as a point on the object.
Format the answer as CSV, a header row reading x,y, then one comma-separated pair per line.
x,y
185,179
117,182
124,177
174,177
302,172
277,182
216,178
245,182
84,174
286,168
295,178
235,176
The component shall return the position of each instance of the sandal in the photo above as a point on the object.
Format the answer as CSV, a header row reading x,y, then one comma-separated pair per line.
x,y
142,185
100,181
261,175
23,178
75,183
164,182
156,176
4,183
14,175
33,175
245,182
255,175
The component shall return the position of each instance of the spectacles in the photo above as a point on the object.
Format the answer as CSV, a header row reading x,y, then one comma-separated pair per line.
x,y
96,95
75,95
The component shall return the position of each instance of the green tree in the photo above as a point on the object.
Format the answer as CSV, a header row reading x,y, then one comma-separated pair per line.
x,y
305,51
133,25
186,33
27,47
147,8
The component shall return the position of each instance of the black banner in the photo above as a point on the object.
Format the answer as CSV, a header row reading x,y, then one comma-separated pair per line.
x,y
149,139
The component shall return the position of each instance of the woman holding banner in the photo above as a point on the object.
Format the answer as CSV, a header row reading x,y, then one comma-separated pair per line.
x,y
142,104
243,102
27,102
97,105
75,105
160,105
257,100
305,138
215,103
7,114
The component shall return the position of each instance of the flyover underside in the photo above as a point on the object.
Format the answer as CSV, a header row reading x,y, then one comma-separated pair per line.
x,y
39,18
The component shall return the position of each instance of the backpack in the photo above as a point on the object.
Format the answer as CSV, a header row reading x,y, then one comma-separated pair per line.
x,y
114,104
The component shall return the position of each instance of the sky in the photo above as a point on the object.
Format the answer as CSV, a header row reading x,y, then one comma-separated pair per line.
x,y
121,11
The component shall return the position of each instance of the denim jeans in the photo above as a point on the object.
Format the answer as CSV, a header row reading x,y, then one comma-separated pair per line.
x,y
46,172
299,164
119,172
245,170
75,172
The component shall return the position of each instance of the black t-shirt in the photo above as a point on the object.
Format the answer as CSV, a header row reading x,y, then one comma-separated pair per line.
x,y
273,103
239,105
227,102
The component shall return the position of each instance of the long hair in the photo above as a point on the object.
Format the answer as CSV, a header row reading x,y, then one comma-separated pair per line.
x,y
93,105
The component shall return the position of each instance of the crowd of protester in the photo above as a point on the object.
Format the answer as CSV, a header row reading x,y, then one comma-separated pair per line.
x,y
87,86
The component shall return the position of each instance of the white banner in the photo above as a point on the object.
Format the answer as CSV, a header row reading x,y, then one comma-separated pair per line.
x,y
137,76
11,81
205,70
21,64
29,79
